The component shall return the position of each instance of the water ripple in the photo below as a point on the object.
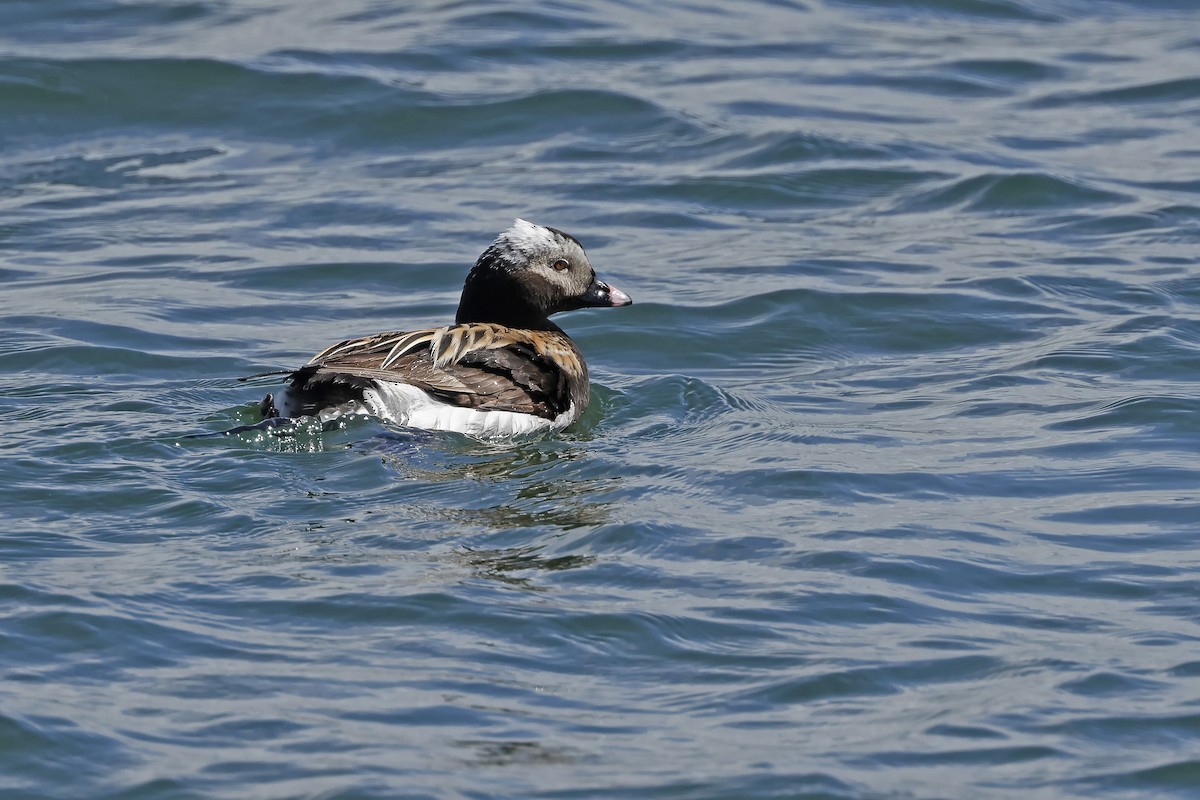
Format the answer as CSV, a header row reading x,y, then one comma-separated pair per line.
x,y
887,484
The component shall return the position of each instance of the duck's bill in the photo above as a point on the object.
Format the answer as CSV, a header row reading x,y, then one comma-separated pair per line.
x,y
601,295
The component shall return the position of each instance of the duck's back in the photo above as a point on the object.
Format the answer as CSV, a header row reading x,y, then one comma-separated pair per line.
x,y
479,378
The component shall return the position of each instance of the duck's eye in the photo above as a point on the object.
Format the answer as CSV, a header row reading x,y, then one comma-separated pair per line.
x,y
562,264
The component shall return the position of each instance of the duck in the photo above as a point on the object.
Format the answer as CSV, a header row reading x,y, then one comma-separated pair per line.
x,y
502,369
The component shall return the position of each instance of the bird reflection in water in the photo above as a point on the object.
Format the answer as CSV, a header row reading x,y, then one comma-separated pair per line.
x,y
547,495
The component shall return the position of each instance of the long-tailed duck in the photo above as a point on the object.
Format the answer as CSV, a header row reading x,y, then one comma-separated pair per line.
x,y
502,368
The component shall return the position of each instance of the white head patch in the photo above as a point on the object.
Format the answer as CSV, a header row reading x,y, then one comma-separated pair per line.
x,y
527,239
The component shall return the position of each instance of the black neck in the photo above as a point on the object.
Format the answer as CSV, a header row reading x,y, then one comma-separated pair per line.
x,y
501,311
491,298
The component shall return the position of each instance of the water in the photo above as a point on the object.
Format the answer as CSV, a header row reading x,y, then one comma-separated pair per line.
x,y
889,485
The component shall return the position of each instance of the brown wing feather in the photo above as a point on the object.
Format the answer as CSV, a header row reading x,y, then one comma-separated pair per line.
x,y
479,365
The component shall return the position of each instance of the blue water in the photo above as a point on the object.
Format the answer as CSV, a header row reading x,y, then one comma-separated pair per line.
x,y
889,486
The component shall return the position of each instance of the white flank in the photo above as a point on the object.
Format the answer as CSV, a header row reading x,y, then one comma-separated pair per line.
x,y
408,406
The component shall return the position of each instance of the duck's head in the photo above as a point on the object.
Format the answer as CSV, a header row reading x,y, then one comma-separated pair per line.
x,y
529,273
